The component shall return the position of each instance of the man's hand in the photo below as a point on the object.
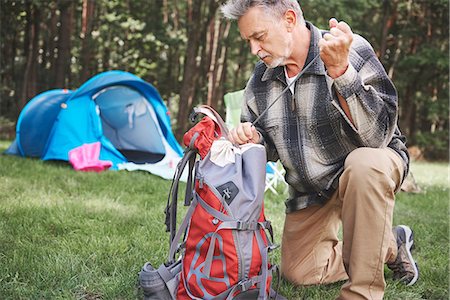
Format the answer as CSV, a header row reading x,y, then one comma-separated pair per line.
x,y
244,133
335,48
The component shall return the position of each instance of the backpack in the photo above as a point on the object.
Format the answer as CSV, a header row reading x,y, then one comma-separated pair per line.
x,y
220,250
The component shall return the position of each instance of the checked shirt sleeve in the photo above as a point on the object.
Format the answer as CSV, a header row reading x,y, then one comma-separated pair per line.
x,y
370,95
249,113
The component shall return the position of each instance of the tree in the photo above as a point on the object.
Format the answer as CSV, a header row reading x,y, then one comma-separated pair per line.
x,y
198,17
218,32
12,27
62,67
418,61
87,51
31,53
192,55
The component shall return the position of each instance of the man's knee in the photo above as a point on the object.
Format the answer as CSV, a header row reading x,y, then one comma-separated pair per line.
x,y
301,276
362,160
369,169
368,165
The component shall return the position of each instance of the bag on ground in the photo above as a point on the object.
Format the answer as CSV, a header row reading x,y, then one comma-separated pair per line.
x,y
220,250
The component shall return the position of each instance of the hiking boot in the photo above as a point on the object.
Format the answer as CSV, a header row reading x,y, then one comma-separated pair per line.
x,y
404,267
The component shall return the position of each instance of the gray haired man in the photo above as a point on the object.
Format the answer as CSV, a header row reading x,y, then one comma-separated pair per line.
x,y
335,132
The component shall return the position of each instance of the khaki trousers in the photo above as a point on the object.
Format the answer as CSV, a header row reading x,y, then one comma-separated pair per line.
x,y
311,252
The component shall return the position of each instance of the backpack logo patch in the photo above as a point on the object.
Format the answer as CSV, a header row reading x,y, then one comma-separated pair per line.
x,y
228,191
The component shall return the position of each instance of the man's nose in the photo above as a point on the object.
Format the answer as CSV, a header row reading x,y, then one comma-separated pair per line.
x,y
255,47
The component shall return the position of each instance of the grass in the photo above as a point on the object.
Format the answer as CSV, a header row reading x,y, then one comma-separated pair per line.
x,y
73,235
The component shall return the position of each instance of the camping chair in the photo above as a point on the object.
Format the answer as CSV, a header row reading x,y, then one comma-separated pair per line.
x,y
233,102
274,170
275,176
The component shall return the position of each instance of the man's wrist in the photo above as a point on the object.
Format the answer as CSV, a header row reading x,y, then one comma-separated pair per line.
x,y
337,71
257,139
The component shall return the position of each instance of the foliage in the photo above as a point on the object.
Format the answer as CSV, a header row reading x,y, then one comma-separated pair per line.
x,y
170,44
435,145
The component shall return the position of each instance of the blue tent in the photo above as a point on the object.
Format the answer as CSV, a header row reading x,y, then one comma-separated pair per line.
x,y
118,109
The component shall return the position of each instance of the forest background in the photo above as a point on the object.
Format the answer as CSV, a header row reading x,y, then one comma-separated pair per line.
x,y
192,55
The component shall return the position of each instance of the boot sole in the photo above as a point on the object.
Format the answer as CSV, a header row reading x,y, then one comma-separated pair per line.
x,y
409,241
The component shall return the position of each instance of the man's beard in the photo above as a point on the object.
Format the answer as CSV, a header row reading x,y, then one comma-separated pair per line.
x,y
275,63
280,60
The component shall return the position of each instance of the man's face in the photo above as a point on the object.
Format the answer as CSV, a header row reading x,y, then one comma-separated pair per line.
x,y
267,36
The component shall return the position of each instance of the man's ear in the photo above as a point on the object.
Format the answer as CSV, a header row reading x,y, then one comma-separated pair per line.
x,y
290,17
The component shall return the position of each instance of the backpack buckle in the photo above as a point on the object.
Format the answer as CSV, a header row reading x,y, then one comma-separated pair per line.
x,y
243,225
244,285
273,247
239,225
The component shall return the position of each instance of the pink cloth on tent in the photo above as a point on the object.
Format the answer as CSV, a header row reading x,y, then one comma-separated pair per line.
x,y
86,158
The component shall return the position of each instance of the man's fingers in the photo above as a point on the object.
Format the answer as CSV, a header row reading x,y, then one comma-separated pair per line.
x,y
332,22
255,135
335,46
341,26
240,134
340,32
335,31
344,27
235,137
327,37
249,130
243,133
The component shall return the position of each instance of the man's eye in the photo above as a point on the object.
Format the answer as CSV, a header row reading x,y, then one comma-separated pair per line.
x,y
260,37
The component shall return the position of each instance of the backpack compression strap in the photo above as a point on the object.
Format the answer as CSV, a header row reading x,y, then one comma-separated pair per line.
x,y
211,113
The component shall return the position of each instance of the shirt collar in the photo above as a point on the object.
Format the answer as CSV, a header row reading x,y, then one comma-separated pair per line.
x,y
317,67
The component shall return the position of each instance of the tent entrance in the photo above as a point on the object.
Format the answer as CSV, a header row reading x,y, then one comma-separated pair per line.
x,y
130,123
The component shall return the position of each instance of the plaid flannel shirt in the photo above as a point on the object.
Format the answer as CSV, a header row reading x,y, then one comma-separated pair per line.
x,y
310,133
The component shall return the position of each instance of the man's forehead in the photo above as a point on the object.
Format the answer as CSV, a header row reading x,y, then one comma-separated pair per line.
x,y
253,34
254,22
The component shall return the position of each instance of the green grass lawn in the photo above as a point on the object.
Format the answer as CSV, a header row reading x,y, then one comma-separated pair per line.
x,y
74,235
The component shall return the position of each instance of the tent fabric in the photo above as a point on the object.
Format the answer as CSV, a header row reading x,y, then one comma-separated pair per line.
x,y
116,109
36,120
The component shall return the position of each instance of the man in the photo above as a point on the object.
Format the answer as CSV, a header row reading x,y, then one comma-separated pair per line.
x,y
335,132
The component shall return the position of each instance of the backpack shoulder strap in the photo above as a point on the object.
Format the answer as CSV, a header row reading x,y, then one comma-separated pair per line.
x,y
189,157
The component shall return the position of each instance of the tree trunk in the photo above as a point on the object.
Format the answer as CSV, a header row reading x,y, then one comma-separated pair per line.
x,y
176,15
195,58
50,32
87,52
213,38
406,112
30,74
241,66
7,61
52,47
216,72
190,74
27,44
165,12
389,18
221,70
65,32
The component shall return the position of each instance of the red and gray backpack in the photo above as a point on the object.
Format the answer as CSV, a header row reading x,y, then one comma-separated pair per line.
x,y
220,250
